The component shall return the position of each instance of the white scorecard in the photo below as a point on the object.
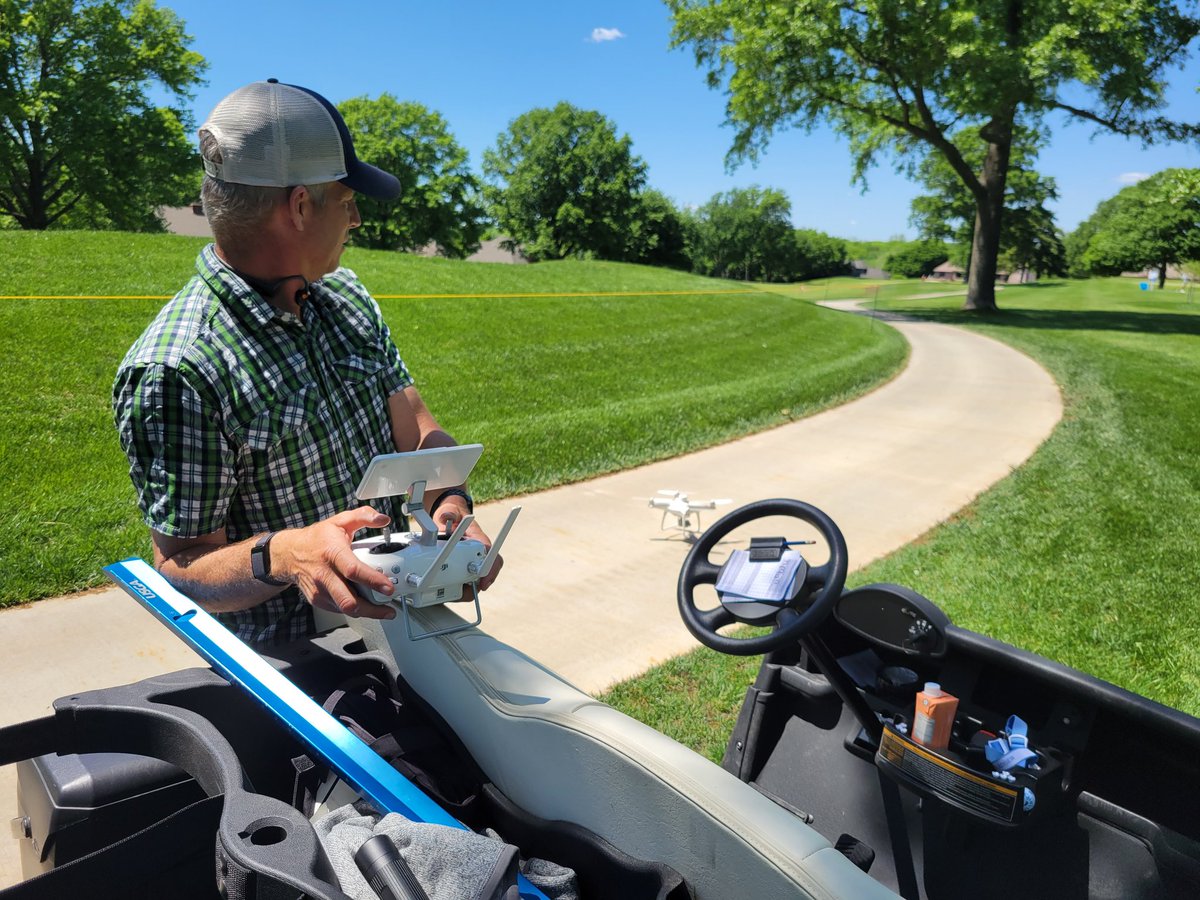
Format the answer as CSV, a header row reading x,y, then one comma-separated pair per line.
x,y
391,474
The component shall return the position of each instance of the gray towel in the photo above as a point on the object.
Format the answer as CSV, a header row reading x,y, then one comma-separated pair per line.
x,y
450,863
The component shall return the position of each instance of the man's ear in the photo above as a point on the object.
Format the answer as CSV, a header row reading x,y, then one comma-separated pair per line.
x,y
300,206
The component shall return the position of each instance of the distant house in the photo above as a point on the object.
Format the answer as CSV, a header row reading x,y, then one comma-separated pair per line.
x,y
189,220
1172,272
947,271
489,251
860,269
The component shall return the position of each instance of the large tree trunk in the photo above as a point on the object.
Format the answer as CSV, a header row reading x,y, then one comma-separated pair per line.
x,y
985,248
1162,275
989,207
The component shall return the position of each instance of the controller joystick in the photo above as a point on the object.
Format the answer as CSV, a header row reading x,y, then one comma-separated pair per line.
x,y
426,568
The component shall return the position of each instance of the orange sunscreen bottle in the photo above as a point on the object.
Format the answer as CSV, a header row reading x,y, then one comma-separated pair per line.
x,y
934,717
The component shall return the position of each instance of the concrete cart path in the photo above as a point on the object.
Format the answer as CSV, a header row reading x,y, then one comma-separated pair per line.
x,y
588,587
589,583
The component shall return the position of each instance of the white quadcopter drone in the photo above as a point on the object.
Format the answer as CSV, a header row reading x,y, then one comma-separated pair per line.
x,y
429,568
685,510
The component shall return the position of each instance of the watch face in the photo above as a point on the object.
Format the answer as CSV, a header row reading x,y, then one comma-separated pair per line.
x,y
256,562
260,560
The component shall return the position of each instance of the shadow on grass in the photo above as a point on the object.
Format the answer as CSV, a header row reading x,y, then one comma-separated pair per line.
x,y
1065,320
1039,285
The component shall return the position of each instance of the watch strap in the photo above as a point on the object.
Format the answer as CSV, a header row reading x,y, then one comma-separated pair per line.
x,y
453,492
260,561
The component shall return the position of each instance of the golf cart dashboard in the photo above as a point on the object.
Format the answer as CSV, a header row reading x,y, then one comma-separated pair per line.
x,y
895,618
1095,743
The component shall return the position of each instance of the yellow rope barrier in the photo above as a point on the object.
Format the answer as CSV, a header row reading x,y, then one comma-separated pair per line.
x,y
399,296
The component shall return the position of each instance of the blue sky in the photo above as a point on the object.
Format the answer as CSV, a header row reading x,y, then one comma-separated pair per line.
x,y
481,64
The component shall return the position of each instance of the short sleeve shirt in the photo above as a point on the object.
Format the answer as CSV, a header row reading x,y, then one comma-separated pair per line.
x,y
237,415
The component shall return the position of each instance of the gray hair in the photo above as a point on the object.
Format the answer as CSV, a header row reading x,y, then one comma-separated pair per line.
x,y
237,211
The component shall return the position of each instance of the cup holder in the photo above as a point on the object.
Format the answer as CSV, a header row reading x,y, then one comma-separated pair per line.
x,y
266,832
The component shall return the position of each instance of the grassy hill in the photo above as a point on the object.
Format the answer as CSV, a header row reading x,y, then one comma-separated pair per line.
x,y
874,253
109,263
559,388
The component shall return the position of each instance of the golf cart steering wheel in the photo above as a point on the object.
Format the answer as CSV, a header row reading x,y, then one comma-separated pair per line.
x,y
820,589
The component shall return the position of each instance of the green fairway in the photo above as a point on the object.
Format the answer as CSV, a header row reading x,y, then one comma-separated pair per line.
x,y
557,388
1087,553
71,263
875,291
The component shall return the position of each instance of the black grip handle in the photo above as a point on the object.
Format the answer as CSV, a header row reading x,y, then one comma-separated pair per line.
x,y
386,871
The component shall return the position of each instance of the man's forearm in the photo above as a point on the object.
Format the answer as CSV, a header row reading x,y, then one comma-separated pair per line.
x,y
218,577
317,559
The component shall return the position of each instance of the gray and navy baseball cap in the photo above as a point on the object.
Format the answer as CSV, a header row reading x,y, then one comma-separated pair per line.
x,y
282,135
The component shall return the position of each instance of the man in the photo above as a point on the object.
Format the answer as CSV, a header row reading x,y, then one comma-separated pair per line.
x,y
253,403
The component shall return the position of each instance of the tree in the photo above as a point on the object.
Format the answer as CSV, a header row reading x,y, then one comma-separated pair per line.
x,y
1154,223
818,255
916,259
905,74
439,200
745,233
1077,241
1029,239
657,233
560,183
80,139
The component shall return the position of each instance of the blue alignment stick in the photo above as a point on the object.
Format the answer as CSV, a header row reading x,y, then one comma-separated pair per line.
x,y
357,763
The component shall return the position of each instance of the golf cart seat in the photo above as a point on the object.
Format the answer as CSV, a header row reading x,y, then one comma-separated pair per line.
x,y
562,755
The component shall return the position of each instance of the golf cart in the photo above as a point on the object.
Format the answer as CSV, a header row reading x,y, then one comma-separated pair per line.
x,y
1050,783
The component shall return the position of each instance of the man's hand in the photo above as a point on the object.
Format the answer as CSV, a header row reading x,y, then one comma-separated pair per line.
x,y
452,511
319,559
415,428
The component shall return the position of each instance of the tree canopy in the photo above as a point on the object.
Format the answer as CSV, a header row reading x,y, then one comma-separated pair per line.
x,y
81,142
657,235
560,182
1029,238
1076,243
1154,223
745,233
439,200
818,255
904,75
916,259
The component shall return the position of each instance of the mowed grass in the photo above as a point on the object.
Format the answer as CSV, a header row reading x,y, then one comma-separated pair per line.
x,y
557,388
1087,554
874,290
58,263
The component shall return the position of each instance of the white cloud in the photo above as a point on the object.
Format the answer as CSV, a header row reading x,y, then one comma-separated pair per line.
x,y
599,35
1132,177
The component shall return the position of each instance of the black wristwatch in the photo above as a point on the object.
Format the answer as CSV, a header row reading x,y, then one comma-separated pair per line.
x,y
260,560
453,492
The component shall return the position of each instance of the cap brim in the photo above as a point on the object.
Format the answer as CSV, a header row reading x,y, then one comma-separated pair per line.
x,y
375,183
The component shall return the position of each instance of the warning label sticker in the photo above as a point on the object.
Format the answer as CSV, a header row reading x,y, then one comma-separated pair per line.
x,y
947,780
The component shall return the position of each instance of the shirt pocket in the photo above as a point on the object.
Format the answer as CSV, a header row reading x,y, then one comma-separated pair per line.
x,y
357,370
362,403
278,435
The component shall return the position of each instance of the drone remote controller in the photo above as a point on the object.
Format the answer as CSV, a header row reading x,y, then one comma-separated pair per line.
x,y
426,568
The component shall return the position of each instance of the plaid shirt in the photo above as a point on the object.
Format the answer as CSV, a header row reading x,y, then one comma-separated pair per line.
x,y
237,415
